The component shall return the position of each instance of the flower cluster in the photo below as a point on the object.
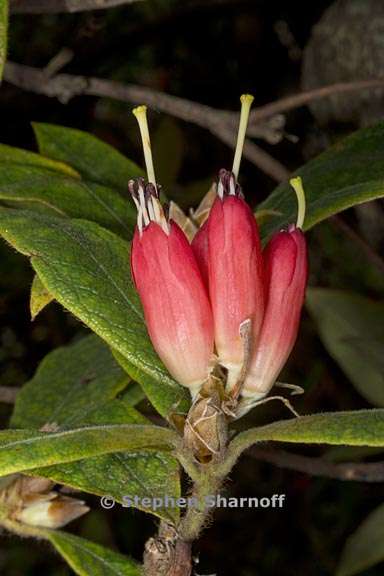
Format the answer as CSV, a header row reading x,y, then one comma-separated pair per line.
x,y
220,299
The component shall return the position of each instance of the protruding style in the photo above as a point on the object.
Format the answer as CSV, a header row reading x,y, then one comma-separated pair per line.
x,y
285,264
165,272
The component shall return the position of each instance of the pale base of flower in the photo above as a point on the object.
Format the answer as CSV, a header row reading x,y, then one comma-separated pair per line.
x,y
233,375
195,388
258,389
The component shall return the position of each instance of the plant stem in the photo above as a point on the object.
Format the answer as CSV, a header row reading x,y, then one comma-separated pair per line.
x,y
194,519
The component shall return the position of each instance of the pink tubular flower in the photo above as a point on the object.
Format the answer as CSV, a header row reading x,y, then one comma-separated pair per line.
x,y
170,286
228,248
201,251
285,260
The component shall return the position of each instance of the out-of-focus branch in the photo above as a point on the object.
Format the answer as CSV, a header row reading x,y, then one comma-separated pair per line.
x,y
66,86
221,123
57,6
297,100
362,472
8,394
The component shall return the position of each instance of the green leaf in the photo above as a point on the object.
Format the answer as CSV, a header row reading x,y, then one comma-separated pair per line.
x,y
364,548
86,269
358,428
87,558
349,173
10,155
134,394
40,297
352,330
75,386
22,450
3,34
146,474
94,159
162,397
42,189
70,382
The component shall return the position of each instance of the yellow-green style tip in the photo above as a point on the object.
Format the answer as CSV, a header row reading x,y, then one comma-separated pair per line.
x,y
297,185
246,103
246,99
139,110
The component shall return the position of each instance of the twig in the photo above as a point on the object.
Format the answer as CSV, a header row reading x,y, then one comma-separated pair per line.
x,y
297,100
364,245
8,394
56,6
221,123
66,86
363,472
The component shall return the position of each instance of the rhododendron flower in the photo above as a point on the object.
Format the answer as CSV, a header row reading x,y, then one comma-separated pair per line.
x,y
285,261
229,253
175,301
222,293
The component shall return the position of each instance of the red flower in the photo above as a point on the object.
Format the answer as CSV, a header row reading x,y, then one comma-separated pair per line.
x,y
199,297
229,253
175,302
285,260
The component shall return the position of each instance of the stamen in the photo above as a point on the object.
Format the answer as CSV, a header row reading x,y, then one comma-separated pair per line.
x,y
297,185
246,103
220,190
227,185
140,220
141,116
143,204
232,186
151,210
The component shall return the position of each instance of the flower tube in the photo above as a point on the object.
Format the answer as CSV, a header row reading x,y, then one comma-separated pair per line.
x,y
166,275
285,265
228,251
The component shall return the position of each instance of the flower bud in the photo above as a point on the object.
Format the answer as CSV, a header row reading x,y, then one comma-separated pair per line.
x,y
285,260
235,273
51,511
175,301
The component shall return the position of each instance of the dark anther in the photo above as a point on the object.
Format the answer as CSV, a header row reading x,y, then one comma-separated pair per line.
x,y
229,184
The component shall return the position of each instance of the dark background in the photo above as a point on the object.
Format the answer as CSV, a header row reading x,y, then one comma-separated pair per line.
x,y
210,52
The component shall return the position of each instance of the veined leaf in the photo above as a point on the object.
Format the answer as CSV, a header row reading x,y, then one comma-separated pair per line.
x,y
17,156
40,297
75,386
162,397
349,173
147,474
86,269
87,558
95,160
22,450
71,382
45,190
354,428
